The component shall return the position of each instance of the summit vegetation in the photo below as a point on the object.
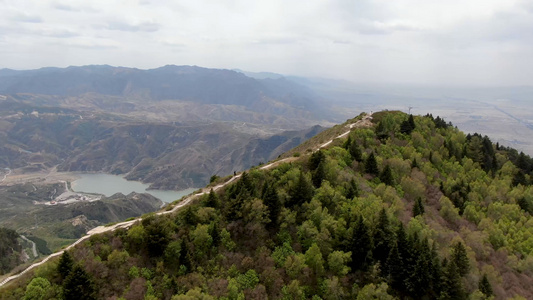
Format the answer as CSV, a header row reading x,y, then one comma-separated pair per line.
x,y
410,208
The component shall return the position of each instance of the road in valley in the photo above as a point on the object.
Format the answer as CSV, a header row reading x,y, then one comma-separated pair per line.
x,y
33,248
364,122
7,174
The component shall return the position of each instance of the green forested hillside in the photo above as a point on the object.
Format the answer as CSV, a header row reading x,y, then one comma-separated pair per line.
x,y
10,250
410,208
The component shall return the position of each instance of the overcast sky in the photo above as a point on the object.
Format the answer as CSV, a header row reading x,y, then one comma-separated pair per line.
x,y
448,42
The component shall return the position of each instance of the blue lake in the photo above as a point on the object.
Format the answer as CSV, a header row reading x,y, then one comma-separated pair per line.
x,y
108,185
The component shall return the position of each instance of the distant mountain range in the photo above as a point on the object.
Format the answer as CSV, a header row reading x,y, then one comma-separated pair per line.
x,y
173,126
188,83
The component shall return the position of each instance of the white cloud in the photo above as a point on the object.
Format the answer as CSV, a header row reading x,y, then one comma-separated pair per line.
x,y
437,42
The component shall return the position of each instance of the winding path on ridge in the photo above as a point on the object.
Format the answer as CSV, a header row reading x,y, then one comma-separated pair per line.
x,y
366,121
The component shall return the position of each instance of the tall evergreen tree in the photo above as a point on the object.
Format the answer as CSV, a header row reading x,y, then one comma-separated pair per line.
x,y
184,258
214,232
371,165
302,191
418,208
271,200
437,275
316,158
519,178
381,131
383,240
395,269
452,287
235,205
355,151
474,149
411,121
414,163
78,285
523,163
246,183
360,244
352,190
525,205
212,199
489,157
407,126
460,258
405,251
485,287
419,281
189,216
65,265
386,176
318,175
346,145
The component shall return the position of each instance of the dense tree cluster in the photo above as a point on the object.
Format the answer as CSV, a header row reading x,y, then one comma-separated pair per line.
x,y
387,213
9,250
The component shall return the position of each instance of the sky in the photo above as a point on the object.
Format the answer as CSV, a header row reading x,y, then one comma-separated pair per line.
x,y
452,42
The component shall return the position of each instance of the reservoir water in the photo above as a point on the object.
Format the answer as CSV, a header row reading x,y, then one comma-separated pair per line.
x,y
108,185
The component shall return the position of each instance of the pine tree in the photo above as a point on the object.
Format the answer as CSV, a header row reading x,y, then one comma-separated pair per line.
x,y
271,200
315,159
474,149
405,252
235,205
319,174
522,162
360,245
212,199
381,131
383,239
246,183
414,164
78,285
189,216
418,208
419,280
525,205
437,275
485,287
411,121
214,232
65,265
452,286
519,178
386,176
460,258
371,165
302,191
406,128
355,151
346,145
395,270
352,190
184,258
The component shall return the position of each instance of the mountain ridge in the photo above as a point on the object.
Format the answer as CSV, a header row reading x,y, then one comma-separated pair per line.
x,y
368,215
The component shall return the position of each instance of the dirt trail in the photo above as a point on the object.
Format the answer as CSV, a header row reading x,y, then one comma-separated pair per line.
x,y
366,121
